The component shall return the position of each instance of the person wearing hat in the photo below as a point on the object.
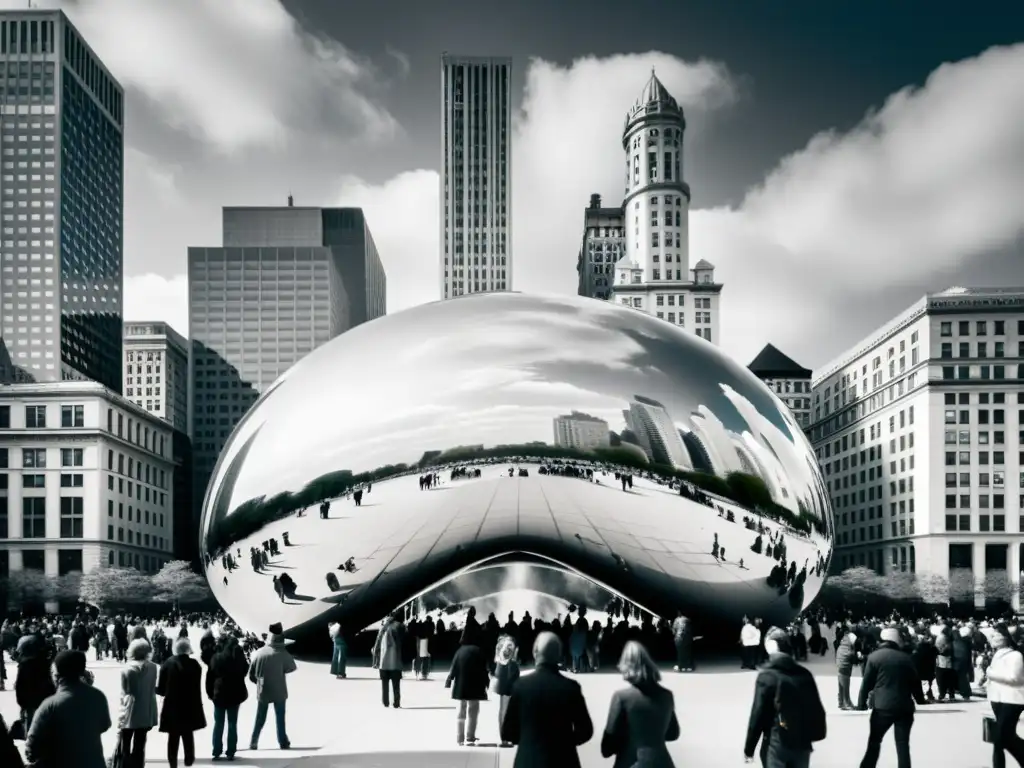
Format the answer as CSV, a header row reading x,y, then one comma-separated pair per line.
x,y
180,682
891,678
68,726
268,669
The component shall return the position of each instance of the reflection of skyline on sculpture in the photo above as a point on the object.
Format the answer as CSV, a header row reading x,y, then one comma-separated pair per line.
x,y
599,439
511,382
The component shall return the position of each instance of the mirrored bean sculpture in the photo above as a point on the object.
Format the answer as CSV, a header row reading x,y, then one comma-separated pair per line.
x,y
507,427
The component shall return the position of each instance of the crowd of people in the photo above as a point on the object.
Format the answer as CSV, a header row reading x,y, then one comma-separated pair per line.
x,y
904,664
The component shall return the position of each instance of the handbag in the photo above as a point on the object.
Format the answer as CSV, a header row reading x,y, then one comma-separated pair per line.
x,y
117,759
988,730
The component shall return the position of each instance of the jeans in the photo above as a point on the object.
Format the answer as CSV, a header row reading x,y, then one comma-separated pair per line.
x,y
880,724
1007,739
133,747
465,721
339,659
261,719
781,756
421,667
394,677
188,745
219,715
844,691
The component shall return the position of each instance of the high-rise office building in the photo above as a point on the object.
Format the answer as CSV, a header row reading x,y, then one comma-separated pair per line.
x,y
156,371
787,379
950,367
654,273
604,243
581,431
476,175
282,285
61,197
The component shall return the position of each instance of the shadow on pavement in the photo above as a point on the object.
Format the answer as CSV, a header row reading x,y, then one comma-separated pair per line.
x,y
469,757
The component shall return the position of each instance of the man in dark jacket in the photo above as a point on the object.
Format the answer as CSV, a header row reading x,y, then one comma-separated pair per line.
x,y
68,726
891,675
787,715
547,715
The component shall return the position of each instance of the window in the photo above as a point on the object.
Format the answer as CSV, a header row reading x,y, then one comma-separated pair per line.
x,y
33,517
71,480
33,458
72,416
4,521
71,457
5,417
33,481
71,517
35,416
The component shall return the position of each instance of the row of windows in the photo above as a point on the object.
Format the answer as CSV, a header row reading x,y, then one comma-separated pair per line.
x,y
980,328
33,517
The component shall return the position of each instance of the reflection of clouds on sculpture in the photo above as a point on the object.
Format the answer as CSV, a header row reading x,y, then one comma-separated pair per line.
x,y
497,381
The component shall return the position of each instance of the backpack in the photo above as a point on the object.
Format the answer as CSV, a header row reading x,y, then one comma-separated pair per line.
x,y
799,713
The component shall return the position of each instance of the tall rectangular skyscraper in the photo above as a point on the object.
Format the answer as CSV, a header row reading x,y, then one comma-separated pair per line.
x,y
61,204
285,281
476,175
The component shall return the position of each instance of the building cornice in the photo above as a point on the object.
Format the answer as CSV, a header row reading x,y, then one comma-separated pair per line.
x,y
657,187
671,285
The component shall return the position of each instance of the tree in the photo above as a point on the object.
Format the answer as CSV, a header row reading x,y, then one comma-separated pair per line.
x,y
177,583
859,582
68,586
998,588
749,491
116,587
962,587
932,587
30,586
901,586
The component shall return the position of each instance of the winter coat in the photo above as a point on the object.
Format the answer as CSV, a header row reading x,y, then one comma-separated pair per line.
x,y
387,648
468,677
34,682
225,679
1006,677
269,667
181,684
138,695
67,729
944,648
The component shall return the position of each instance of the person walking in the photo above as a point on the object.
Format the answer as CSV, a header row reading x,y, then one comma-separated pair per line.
x,y
787,715
547,716
642,716
268,671
846,657
750,643
387,657
139,713
682,638
339,655
180,683
225,687
468,682
891,678
506,672
1005,693
67,729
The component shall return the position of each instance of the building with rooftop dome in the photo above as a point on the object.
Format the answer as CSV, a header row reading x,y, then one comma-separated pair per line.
x,y
652,270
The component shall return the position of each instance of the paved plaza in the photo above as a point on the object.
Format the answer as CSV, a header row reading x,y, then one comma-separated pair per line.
x,y
341,724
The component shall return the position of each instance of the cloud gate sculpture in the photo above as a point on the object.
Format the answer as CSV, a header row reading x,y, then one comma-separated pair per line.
x,y
569,431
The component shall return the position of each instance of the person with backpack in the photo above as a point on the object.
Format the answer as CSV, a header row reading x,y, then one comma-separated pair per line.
x,y
787,715
890,674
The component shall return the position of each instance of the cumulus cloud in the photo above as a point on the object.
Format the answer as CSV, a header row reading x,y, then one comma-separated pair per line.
x,y
235,73
155,297
928,181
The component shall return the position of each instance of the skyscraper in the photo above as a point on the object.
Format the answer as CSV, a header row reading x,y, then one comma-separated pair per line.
x,y
787,379
476,175
285,281
61,120
156,371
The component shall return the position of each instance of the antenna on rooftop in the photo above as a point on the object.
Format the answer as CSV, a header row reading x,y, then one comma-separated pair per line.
x,y
291,200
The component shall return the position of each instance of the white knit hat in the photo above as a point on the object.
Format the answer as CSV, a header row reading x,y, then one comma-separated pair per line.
x,y
891,635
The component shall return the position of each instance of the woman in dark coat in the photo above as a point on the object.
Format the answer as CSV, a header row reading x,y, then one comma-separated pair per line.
x,y
181,684
225,687
642,716
468,680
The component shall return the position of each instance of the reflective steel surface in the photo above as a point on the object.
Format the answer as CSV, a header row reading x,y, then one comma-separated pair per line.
x,y
562,429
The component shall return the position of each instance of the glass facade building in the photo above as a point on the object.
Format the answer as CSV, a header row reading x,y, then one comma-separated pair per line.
x,y
61,198
285,281
476,175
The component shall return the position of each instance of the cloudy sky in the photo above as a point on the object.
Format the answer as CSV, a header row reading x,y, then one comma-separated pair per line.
x,y
844,157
